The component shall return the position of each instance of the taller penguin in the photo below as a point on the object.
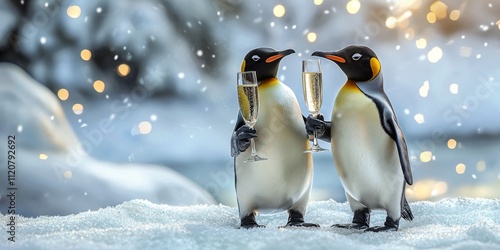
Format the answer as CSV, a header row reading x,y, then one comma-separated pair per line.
x,y
368,145
283,181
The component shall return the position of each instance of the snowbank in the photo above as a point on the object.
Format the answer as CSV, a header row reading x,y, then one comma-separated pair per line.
x,y
53,172
448,224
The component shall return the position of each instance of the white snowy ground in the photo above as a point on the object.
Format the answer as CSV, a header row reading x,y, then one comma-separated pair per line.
x,y
460,223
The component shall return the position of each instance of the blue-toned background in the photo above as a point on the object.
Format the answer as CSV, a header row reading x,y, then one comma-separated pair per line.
x,y
153,82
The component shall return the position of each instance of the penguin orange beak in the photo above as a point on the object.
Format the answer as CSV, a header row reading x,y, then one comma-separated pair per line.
x,y
280,55
330,55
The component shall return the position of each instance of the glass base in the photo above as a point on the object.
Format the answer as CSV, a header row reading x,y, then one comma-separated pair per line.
x,y
315,149
255,158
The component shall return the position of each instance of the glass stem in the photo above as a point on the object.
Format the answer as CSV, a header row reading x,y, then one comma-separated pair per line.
x,y
315,139
252,143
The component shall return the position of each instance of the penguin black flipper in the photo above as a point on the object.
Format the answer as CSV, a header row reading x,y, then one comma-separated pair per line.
x,y
240,140
374,90
321,126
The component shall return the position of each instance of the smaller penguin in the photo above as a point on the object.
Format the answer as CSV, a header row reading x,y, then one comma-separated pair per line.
x,y
368,145
284,180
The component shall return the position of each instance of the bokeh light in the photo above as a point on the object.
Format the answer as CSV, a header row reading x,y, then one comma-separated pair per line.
x,y
421,43
426,156
460,168
99,86
455,15
63,94
353,6
311,37
43,156
431,17
425,189
435,54
68,174
279,10
145,128
419,118
74,11
439,9
454,88
452,143
85,54
318,2
391,22
480,166
424,89
77,108
123,70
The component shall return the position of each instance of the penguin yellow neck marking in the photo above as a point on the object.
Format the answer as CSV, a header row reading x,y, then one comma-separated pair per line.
x,y
267,83
243,64
346,93
350,86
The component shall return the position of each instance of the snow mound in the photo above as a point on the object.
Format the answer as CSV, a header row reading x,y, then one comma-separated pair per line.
x,y
54,174
457,223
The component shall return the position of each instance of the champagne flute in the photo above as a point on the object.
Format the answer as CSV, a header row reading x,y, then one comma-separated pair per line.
x,y
248,98
312,87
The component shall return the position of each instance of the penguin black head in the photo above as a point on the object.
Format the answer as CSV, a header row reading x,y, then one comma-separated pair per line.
x,y
264,61
359,63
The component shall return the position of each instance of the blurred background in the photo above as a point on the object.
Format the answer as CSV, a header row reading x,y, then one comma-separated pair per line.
x,y
152,83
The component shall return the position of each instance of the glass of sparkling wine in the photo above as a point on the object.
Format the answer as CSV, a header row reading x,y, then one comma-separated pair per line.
x,y
248,98
312,87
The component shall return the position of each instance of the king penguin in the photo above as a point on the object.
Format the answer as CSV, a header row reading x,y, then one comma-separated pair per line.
x,y
283,181
368,145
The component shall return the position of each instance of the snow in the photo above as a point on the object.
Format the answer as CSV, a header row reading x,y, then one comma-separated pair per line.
x,y
457,223
195,111
54,173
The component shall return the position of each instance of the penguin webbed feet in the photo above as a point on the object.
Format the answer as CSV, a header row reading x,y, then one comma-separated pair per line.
x,y
240,141
319,125
248,222
360,220
296,219
389,225
356,226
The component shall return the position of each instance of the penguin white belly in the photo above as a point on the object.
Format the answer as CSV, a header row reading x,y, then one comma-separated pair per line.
x,y
285,177
366,157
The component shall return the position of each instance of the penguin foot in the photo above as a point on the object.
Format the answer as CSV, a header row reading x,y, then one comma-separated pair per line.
x,y
389,225
251,226
249,222
357,226
303,224
360,220
296,219
377,229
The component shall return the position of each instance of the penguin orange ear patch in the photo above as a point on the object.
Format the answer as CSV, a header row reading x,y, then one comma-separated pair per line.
x,y
375,65
274,58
